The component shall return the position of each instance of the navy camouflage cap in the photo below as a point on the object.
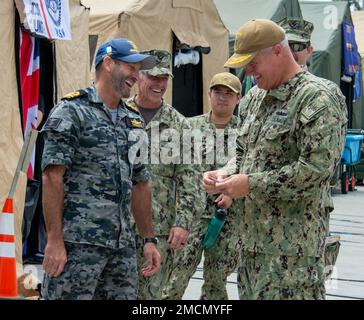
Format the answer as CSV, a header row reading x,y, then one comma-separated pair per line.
x,y
124,50
163,60
297,30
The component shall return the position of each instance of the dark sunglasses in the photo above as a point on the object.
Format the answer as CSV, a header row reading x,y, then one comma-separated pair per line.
x,y
297,47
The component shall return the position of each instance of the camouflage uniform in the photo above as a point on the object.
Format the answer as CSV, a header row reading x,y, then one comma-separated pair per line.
x,y
80,135
298,30
174,191
221,260
289,145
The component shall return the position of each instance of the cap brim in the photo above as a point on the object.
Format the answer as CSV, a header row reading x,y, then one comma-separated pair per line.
x,y
147,61
293,38
225,85
238,60
159,72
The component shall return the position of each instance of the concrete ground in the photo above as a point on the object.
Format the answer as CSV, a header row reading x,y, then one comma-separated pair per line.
x,y
347,282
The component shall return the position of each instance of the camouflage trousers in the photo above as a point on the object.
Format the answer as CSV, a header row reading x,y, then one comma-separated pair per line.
x,y
219,262
267,277
94,273
150,288
331,254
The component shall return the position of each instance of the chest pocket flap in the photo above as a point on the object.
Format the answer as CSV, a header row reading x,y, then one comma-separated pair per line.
x,y
275,131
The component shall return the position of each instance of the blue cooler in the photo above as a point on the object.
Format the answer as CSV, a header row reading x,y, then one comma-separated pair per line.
x,y
352,150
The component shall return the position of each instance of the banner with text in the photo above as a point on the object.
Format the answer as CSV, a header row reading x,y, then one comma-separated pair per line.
x,y
48,18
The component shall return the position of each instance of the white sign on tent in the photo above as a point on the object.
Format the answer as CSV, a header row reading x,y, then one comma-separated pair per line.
x,y
48,18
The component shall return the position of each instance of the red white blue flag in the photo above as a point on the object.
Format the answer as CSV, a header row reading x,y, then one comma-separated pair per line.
x,y
29,77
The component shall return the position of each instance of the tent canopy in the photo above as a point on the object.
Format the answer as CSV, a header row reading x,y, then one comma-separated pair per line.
x,y
152,24
73,57
72,73
235,13
327,36
358,20
326,39
11,137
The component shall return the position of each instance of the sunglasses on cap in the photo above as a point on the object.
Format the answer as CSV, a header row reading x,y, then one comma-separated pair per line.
x,y
297,47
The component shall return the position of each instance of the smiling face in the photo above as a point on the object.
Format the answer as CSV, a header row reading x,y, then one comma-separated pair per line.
x,y
266,68
123,77
152,89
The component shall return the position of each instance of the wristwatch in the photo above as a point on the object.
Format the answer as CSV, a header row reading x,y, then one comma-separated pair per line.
x,y
150,240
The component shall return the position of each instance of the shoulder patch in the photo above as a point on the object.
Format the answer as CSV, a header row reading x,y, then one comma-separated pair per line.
x,y
52,123
309,113
74,95
132,107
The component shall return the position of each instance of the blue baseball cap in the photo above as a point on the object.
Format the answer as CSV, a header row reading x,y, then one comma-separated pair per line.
x,y
124,50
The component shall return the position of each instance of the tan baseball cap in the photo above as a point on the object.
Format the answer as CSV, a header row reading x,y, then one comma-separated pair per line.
x,y
252,37
228,80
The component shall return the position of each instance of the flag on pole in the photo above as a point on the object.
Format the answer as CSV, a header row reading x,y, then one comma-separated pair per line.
x,y
351,62
29,77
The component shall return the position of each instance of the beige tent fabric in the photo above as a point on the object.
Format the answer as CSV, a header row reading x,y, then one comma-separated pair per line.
x,y
73,73
152,23
20,7
72,57
358,20
193,4
206,30
11,138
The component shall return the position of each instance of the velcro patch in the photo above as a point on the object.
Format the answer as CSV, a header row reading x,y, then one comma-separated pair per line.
x,y
311,112
52,123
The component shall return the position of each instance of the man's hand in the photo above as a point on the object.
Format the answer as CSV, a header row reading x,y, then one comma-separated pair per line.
x,y
235,186
177,238
153,258
210,178
55,257
223,201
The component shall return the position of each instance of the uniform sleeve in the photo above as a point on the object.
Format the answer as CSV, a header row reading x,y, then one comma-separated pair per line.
x,y
61,134
140,174
188,179
232,166
320,139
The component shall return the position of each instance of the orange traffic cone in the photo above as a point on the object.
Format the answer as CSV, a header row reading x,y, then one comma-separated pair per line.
x,y
8,280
